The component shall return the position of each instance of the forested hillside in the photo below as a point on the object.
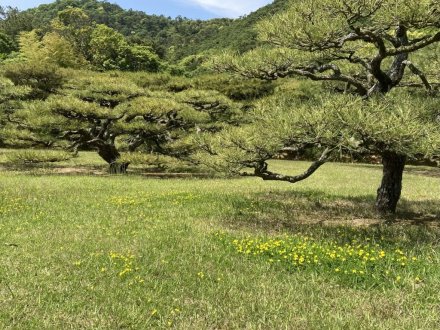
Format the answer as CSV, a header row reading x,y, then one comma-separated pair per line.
x,y
171,38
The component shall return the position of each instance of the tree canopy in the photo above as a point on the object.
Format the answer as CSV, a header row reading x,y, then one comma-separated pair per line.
x,y
363,48
115,117
362,44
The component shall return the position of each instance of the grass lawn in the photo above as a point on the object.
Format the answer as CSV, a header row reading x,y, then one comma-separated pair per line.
x,y
91,251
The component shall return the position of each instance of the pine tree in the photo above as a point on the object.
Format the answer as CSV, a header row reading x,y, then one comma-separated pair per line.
x,y
364,48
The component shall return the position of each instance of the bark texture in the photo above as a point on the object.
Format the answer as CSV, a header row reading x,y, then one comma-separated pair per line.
x,y
390,189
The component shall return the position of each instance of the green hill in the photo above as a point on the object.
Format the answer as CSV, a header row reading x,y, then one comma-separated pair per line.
x,y
172,38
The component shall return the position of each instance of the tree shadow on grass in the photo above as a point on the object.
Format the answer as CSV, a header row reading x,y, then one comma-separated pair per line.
x,y
294,211
433,172
50,168
41,169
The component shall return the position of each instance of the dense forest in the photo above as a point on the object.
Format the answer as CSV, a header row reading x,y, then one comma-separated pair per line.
x,y
171,38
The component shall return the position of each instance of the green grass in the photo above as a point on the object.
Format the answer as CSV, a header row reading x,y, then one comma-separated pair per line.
x,y
132,252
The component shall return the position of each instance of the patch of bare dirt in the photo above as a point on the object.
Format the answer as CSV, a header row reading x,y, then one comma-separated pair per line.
x,y
76,170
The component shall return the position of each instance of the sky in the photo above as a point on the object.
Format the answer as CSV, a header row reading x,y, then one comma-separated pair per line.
x,y
201,9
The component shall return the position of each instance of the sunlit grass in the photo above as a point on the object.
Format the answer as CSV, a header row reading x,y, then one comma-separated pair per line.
x,y
135,252
357,263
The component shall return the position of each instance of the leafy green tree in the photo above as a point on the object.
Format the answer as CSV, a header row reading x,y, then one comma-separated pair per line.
x,y
13,22
59,51
142,58
30,46
74,25
107,48
74,39
52,49
83,115
6,44
110,51
365,48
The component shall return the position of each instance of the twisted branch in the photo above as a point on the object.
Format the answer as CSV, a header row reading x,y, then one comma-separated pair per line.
x,y
261,170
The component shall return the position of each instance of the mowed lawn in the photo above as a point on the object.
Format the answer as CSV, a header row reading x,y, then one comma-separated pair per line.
x,y
134,252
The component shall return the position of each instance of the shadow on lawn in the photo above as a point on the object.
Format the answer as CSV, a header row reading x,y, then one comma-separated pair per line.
x,y
51,168
99,170
433,172
338,218
288,210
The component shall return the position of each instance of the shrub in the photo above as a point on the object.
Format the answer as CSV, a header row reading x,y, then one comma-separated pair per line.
x,y
38,156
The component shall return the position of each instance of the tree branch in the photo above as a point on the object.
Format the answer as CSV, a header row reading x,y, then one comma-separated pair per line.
x,y
336,76
261,170
419,73
415,46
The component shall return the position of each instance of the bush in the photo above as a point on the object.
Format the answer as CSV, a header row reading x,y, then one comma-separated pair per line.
x,y
38,156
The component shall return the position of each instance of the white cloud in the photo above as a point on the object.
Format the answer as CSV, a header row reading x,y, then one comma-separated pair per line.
x,y
229,8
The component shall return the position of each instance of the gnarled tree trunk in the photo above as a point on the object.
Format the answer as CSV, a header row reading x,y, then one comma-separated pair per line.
x,y
390,189
118,168
111,155
389,192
